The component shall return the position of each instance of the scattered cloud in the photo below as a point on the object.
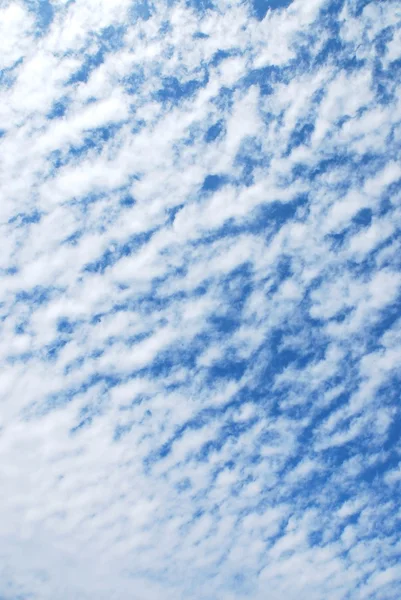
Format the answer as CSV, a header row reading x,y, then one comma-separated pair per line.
x,y
200,299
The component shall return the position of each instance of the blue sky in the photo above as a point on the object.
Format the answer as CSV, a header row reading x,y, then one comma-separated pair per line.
x,y
200,299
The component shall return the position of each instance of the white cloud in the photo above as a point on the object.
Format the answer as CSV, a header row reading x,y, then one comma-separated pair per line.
x,y
198,385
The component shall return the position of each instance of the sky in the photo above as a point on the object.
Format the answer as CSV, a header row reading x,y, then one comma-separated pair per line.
x,y
200,299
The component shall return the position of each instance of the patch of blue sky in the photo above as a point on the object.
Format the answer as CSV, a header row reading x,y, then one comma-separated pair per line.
x,y
91,62
201,6
9,74
141,10
37,295
134,81
43,12
109,40
215,131
261,7
23,219
59,109
174,91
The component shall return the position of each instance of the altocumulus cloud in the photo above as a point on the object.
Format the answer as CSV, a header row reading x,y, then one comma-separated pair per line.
x,y
200,299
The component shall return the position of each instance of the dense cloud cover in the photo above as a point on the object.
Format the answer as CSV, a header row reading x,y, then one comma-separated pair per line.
x,y
200,299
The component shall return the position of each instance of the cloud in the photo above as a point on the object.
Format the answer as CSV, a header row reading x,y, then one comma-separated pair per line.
x,y
200,300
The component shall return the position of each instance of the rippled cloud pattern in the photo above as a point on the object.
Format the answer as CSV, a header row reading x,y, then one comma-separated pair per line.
x,y
200,299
